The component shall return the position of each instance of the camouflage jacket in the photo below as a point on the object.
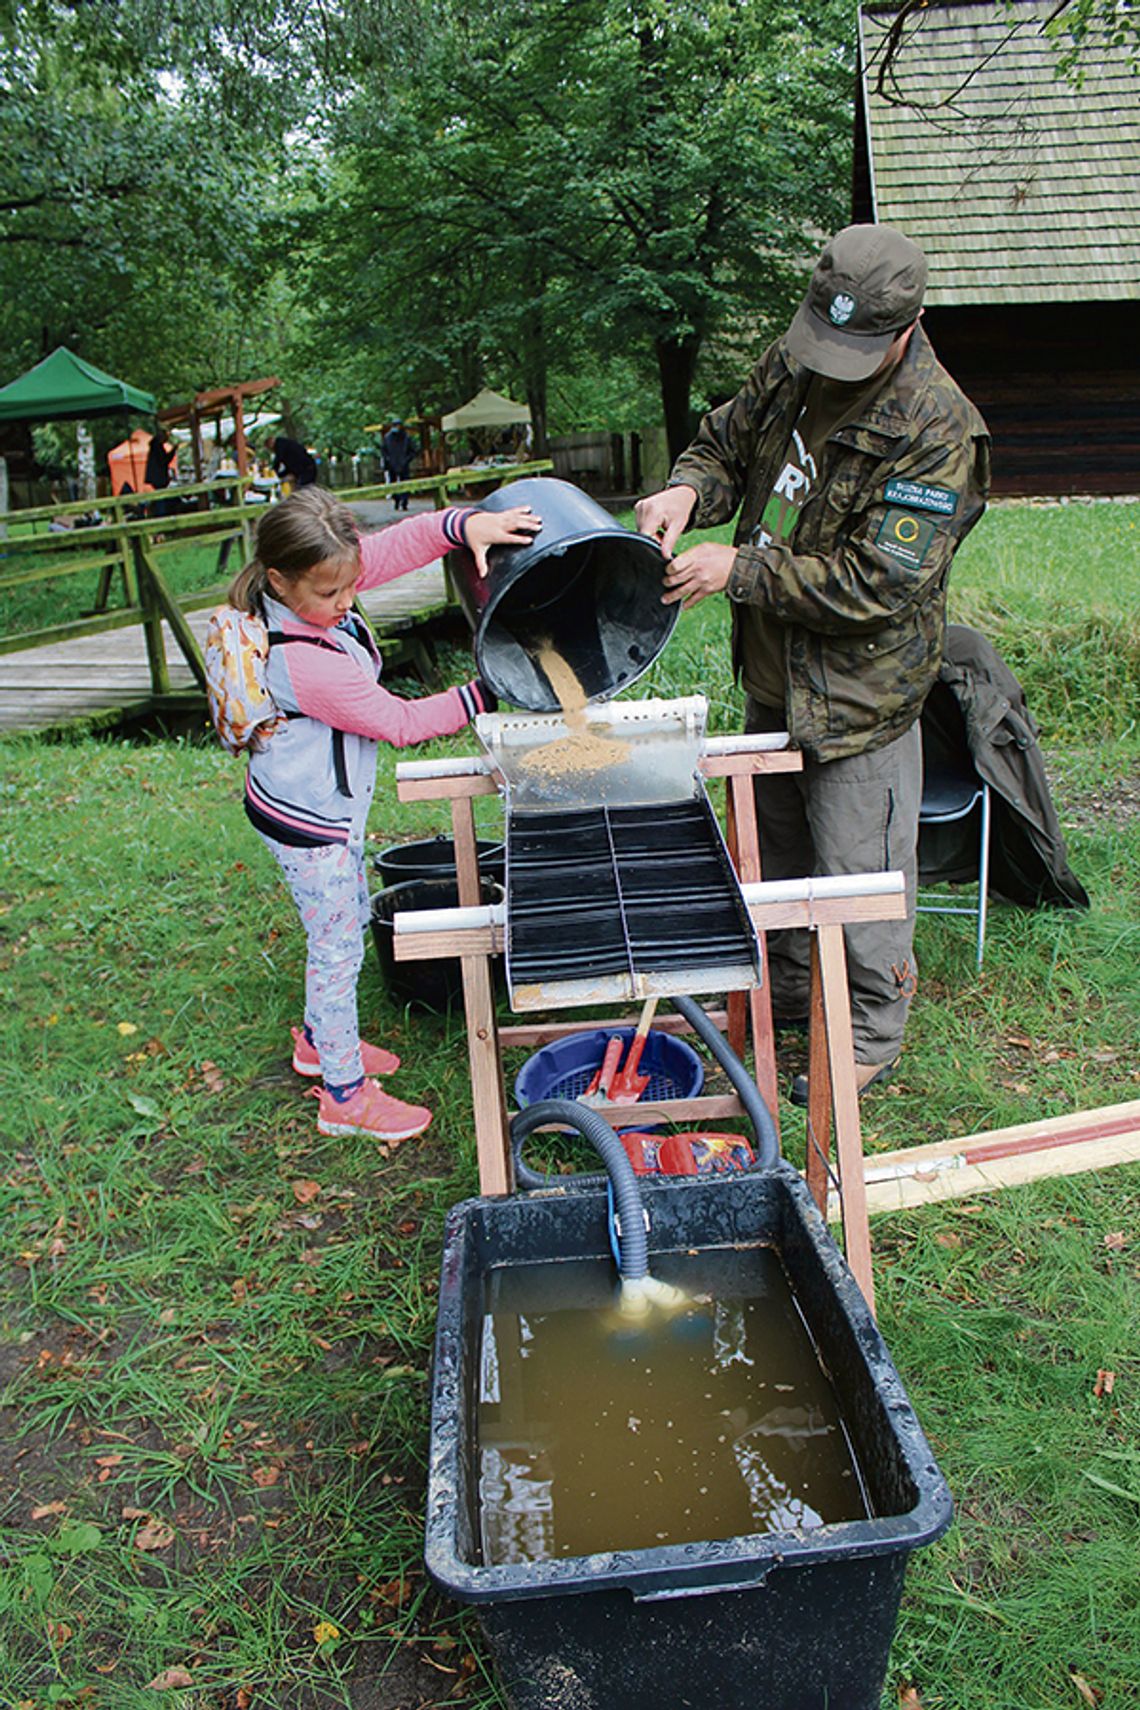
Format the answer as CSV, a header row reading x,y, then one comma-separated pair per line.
x,y
861,593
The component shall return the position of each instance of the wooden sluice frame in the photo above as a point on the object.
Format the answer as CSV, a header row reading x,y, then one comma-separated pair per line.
x,y
822,906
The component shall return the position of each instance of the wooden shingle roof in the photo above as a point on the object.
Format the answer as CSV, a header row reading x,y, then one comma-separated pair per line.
x,y
1020,186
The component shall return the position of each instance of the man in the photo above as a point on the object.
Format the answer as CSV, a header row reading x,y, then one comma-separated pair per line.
x,y
398,449
858,466
292,462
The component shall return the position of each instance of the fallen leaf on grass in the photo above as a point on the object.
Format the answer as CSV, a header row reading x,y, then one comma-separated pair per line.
x,y
143,1106
1105,1383
265,1477
212,1076
948,1240
909,1699
1115,1241
126,1028
304,1192
324,1633
169,1678
155,1536
1090,1694
59,1632
46,1508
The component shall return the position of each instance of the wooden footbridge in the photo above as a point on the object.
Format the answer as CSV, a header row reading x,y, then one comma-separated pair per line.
x,y
137,652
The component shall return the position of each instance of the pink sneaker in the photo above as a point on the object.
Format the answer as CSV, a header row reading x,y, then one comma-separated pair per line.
x,y
375,1059
370,1111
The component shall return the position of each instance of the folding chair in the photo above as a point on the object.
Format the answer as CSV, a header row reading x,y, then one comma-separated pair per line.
x,y
950,794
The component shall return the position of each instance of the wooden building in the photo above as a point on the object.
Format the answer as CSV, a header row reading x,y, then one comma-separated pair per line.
x,y
1023,188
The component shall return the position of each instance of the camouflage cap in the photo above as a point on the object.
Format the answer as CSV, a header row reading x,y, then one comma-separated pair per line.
x,y
867,286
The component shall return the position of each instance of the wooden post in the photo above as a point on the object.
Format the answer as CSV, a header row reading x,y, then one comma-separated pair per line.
x,y
152,621
818,1160
744,846
488,1094
241,449
170,609
832,964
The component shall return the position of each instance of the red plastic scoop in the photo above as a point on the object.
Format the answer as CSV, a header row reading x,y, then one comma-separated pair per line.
x,y
627,1085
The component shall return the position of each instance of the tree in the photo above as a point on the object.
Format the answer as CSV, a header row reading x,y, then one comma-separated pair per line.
x,y
618,176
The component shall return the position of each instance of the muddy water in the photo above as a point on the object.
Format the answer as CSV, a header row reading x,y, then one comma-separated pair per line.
x,y
584,748
710,1423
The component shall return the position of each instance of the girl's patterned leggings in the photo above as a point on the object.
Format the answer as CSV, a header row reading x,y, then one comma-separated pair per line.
x,y
331,894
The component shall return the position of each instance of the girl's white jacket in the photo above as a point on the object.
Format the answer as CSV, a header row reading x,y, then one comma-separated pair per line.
x,y
314,780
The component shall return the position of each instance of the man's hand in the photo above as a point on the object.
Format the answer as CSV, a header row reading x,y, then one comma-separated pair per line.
x,y
665,515
696,574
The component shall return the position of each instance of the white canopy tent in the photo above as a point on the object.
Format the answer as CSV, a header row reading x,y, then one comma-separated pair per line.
x,y
485,409
224,428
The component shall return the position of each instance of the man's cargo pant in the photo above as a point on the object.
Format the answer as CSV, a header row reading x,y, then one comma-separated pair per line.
x,y
854,815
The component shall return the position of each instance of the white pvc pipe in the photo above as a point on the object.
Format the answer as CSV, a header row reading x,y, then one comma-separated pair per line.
x,y
467,766
763,742
449,919
830,888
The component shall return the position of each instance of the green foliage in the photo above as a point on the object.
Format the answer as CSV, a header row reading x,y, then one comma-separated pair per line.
x,y
553,186
1079,27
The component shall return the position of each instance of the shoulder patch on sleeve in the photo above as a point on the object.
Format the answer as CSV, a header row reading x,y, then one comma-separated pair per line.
x,y
905,537
918,497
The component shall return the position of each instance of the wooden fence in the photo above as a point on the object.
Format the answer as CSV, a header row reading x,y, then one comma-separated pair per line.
x,y
125,549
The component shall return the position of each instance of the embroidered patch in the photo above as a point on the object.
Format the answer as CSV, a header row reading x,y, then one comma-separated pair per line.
x,y
842,308
905,537
921,498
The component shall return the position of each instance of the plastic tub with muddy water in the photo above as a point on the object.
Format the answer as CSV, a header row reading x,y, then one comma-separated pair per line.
x,y
715,1507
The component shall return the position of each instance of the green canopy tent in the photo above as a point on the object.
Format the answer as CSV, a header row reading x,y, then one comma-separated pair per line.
x,y
65,388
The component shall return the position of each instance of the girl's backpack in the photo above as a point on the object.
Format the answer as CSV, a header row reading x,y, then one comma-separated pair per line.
x,y
243,712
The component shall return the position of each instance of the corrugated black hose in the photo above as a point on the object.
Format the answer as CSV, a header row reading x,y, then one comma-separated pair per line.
x,y
767,1139
568,1113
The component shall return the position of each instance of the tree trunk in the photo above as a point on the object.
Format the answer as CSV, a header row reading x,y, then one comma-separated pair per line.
x,y
533,339
676,365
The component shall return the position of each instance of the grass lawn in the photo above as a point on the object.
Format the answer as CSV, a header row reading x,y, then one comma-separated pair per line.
x,y
215,1325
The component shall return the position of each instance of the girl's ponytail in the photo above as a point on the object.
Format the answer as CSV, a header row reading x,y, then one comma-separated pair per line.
x,y
248,586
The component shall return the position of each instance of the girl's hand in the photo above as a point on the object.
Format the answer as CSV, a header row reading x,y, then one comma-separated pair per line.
x,y
515,527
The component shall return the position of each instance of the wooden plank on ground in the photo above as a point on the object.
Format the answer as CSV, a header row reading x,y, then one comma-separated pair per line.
x,y
1001,1157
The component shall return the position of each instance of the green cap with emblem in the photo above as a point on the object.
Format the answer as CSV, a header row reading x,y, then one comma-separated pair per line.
x,y
867,286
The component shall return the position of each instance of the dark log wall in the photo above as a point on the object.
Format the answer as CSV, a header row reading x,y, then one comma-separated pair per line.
x,y
1059,386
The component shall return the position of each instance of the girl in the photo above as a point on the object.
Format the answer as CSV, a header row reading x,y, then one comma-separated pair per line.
x,y
309,787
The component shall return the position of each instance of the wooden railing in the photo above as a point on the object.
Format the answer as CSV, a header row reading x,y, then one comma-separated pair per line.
x,y
127,548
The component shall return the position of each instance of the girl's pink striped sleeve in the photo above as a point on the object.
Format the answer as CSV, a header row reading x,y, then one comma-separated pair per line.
x,y
335,689
410,544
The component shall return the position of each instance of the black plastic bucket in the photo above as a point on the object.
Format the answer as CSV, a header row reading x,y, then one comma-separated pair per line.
x,y
790,1620
434,858
435,984
584,584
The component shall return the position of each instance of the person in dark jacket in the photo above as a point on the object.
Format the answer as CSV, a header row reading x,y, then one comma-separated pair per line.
x,y
858,466
160,455
292,462
398,450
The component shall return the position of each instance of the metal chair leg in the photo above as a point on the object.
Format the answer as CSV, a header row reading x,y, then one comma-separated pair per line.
x,y
983,871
